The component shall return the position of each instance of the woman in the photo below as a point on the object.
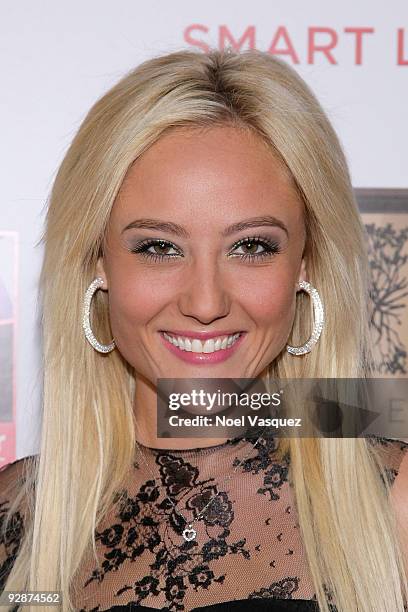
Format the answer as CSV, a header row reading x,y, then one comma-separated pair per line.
x,y
198,196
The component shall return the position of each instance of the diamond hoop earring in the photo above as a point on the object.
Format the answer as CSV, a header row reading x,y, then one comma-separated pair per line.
x,y
86,321
318,317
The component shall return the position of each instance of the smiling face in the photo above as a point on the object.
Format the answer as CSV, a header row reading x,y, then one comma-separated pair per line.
x,y
203,271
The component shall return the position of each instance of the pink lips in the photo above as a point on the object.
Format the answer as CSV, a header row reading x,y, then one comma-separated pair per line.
x,y
201,335
202,358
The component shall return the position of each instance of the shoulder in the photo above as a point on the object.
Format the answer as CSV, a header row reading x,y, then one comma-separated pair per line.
x,y
399,490
392,453
9,473
12,477
395,455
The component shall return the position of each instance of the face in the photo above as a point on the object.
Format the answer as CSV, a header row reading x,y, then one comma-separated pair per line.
x,y
204,243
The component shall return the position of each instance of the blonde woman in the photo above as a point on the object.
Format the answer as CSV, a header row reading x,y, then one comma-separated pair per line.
x,y
203,203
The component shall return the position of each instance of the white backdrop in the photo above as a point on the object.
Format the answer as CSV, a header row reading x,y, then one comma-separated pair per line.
x,y
57,58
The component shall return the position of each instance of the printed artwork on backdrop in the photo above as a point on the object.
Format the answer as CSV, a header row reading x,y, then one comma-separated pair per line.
x,y
8,310
385,216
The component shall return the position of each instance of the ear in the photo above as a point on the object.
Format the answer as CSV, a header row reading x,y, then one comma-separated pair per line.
x,y
100,271
303,271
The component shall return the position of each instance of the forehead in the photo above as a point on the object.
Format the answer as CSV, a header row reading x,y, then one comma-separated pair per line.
x,y
210,173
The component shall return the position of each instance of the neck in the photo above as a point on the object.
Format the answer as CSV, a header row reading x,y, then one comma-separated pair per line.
x,y
145,410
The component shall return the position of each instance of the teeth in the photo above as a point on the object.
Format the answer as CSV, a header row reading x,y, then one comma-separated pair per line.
x,y
196,346
187,344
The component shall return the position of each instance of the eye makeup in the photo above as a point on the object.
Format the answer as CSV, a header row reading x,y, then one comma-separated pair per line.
x,y
269,247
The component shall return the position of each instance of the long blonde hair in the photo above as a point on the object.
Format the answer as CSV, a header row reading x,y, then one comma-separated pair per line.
x,y
88,429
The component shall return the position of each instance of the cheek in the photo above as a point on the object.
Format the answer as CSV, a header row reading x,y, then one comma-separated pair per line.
x,y
132,305
135,302
266,295
271,303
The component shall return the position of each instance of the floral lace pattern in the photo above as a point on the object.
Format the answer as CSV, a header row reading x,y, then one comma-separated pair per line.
x,y
248,544
180,566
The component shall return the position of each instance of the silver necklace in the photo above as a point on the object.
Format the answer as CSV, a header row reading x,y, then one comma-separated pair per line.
x,y
189,533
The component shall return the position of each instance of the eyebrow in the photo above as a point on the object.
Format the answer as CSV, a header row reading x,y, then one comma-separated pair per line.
x,y
179,230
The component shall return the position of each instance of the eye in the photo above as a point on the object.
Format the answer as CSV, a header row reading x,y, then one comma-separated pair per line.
x,y
256,247
160,249
252,248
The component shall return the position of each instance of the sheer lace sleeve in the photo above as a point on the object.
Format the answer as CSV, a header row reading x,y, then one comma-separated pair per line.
x,y
11,479
391,452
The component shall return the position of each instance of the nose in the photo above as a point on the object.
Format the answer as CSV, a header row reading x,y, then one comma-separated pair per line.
x,y
204,296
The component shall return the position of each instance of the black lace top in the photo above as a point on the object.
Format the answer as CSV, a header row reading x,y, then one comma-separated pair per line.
x,y
248,553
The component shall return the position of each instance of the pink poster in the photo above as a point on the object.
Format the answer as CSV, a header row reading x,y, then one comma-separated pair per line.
x,y
8,312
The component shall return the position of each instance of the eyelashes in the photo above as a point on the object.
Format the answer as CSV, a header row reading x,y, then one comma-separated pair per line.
x,y
269,249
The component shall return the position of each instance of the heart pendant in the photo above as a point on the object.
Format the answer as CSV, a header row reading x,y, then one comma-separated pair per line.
x,y
189,534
